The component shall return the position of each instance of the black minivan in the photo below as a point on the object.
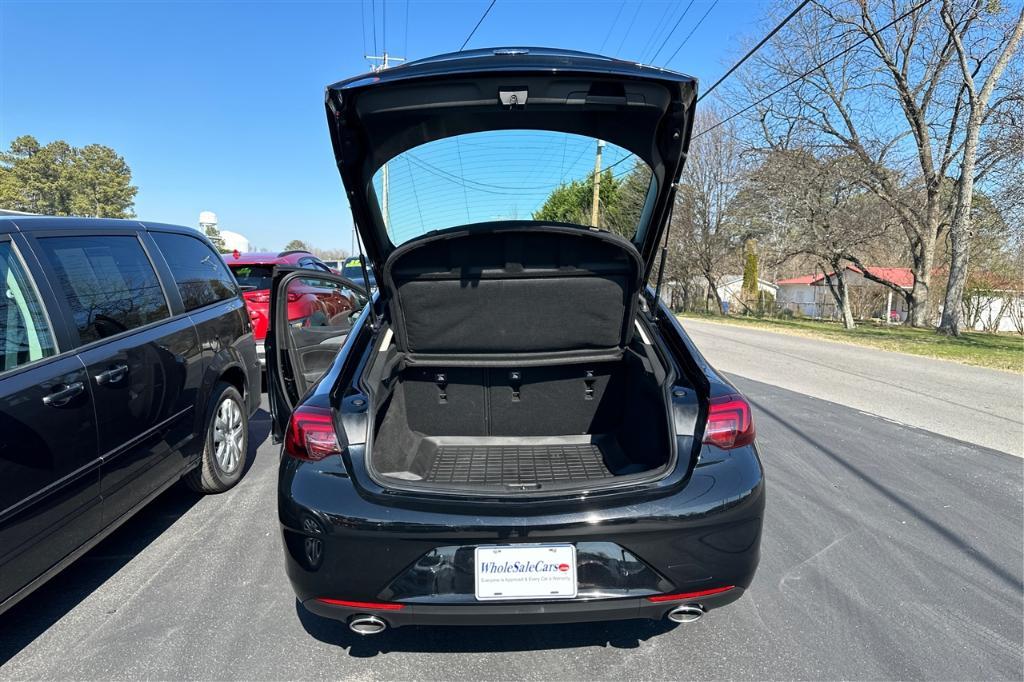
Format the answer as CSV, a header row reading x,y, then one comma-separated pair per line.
x,y
127,362
516,430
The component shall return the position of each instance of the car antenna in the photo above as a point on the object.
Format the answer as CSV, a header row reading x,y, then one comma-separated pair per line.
x,y
366,281
664,253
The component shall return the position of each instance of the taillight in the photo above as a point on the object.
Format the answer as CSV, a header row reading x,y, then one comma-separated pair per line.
x,y
311,434
263,296
729,422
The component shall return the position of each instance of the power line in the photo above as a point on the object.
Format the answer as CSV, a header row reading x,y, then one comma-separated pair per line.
x,y
803,75
415,194
482,17
674,27
373,9
615,21
490,188
613,165
405,45
692,31
474,184
462,172
754,49
659,28
362,22
622,42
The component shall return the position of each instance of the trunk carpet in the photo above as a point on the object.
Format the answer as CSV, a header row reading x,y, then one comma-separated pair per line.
x,y
518,464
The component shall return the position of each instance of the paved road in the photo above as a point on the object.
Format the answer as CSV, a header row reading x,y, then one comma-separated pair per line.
x,y
889,552
973,404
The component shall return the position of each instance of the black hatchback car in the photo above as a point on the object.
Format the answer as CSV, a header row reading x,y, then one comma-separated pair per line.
x,y
127,362
515,430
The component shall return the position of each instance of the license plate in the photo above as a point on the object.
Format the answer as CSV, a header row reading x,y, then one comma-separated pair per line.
x,y
525,572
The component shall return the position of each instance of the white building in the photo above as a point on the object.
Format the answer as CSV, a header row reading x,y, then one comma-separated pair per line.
x,y
797,293
730,291
810,294
995,310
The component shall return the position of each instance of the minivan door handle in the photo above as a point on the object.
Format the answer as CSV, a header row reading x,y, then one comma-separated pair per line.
x,y
64,396
112,375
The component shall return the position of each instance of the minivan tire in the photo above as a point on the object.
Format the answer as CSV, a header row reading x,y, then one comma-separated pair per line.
x,y
210,476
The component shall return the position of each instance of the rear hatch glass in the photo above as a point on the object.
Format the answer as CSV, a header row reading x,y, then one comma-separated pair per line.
x,y
253,277
500,175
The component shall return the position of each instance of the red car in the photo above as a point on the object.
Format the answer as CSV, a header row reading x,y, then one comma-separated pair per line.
x,y
308,306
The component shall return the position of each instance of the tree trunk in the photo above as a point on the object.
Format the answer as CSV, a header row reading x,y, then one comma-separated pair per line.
x,y
960,229
713,291
840,293
960,238
919,300
844,297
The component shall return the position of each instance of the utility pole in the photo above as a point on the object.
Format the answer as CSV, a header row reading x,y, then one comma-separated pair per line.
x,y
378,64
597,184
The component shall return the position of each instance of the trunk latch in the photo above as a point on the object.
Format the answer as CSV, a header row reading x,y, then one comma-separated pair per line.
x,y
513,98
441,379
588,384
515,380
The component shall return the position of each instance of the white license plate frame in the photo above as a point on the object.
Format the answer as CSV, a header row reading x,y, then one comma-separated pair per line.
x,y
525,572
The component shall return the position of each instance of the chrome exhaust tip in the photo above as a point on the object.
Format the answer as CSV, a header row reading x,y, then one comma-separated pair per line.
x,y
685,614
367,625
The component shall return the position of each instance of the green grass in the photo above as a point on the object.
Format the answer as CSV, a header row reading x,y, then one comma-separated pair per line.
x,y
999,351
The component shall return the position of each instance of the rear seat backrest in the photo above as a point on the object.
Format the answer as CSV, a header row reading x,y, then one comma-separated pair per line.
x,y
514,291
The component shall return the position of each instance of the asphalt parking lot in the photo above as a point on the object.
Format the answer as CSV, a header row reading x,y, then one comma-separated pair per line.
x,y
889,551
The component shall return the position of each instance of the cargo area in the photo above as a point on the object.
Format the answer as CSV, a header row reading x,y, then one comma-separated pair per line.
x,y
525,428
513,363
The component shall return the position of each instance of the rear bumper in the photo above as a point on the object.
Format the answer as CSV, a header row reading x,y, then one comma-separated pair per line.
x,y
521,614
343,544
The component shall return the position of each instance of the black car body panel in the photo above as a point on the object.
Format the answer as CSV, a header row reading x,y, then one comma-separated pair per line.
x,y
714,521
96,429
512,385
348,538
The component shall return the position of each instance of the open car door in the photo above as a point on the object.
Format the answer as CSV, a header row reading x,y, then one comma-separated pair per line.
x,y
311,315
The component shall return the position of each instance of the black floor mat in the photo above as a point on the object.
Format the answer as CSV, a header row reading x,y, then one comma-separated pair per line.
x,y
518,464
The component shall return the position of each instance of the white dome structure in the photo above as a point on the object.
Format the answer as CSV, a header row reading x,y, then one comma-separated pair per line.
x,y
235,242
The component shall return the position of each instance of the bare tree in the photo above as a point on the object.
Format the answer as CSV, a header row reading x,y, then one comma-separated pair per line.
x,y
973,57
828,213
702,228
883,96
330,254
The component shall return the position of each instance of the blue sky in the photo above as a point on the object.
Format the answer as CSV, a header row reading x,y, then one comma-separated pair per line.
x,y
219,105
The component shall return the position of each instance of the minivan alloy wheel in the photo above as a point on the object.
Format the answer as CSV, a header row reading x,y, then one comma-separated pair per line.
x,y
228,427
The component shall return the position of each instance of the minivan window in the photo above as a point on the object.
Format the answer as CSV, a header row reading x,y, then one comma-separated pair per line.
x,y
498,175
109,283
24,332
199,272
